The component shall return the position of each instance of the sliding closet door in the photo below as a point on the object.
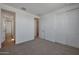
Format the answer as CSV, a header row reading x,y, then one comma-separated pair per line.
x,y
8,28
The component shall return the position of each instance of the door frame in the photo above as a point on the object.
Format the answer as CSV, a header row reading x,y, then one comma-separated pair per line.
x,y
36,27
14,21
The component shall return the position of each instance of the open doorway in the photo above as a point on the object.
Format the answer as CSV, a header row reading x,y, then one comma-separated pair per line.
x,y
8,28
36,24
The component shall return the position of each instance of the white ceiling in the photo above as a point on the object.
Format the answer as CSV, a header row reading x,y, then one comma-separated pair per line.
x,y
39,8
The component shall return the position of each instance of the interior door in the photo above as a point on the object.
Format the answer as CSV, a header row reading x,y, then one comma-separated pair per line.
x,y
8,28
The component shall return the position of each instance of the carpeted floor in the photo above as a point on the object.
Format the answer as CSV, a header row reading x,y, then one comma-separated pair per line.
x,y
40,47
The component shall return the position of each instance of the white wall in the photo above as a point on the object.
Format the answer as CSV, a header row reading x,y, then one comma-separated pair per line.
x,y
24,27
61,26
24,24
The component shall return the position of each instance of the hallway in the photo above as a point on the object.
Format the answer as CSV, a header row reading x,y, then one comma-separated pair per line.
x,y
40,47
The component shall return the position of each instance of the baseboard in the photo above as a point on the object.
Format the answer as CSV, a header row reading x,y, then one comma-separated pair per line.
x,y
60,43
23,42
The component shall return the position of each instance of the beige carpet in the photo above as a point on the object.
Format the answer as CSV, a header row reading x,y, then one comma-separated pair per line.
x,y
40,47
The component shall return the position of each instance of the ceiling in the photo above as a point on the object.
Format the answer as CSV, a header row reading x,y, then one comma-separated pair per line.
x,y
39,8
